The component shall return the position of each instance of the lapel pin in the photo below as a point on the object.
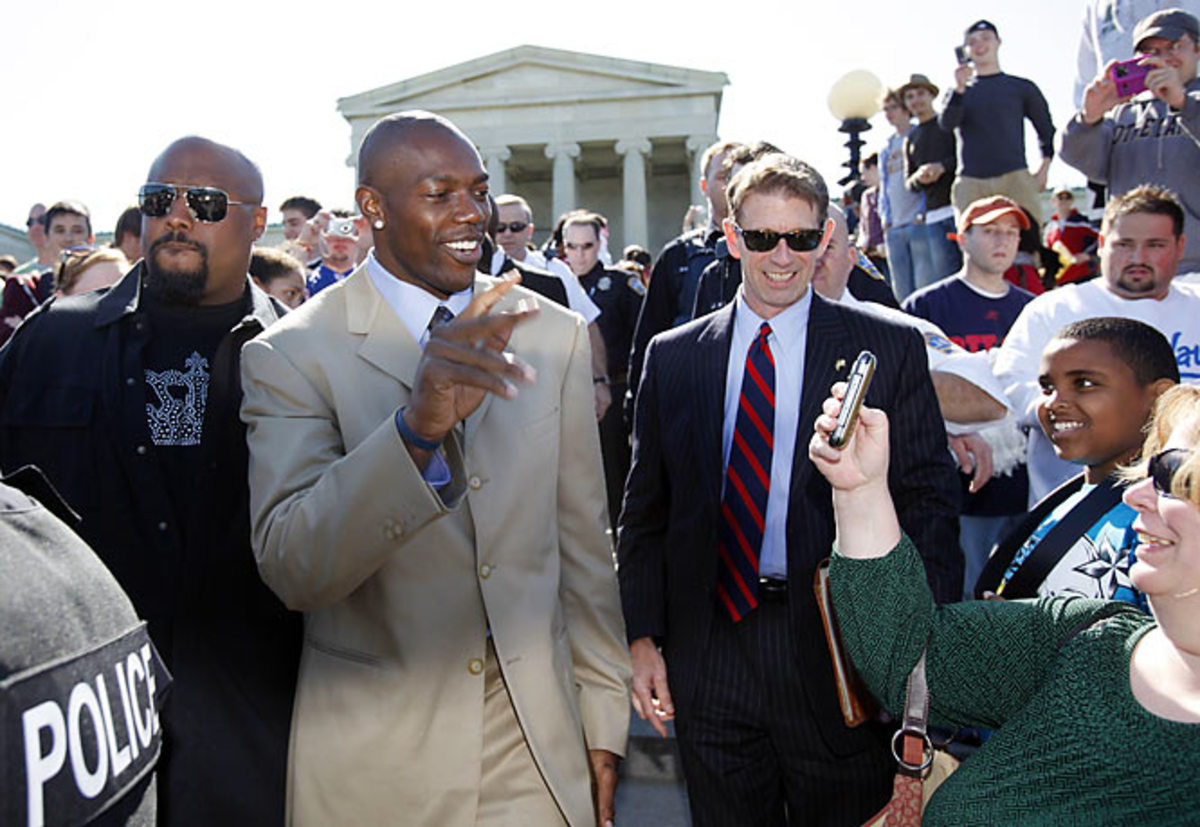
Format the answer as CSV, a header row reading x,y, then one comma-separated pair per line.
x,y
839,365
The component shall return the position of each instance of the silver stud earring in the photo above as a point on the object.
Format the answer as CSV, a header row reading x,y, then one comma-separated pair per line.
x,y
378,224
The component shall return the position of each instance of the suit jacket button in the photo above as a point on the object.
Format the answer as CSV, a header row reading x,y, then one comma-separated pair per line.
x,y
475,666
485,571
475,483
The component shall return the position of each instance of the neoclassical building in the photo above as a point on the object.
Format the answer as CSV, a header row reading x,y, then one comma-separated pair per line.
x,y
567,129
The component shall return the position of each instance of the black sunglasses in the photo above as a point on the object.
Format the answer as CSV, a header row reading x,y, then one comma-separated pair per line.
x,y
512,226
1163,467
206,204
764,241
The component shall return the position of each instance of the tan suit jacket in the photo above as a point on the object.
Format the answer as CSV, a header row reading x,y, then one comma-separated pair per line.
x,y
400,585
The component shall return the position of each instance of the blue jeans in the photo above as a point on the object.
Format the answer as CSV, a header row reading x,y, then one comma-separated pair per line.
x,y
941,256
905,246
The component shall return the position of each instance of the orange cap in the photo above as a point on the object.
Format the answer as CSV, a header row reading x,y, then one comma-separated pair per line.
x,y
987,210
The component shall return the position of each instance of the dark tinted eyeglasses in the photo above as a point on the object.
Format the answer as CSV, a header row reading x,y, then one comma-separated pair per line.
x,y
206,204
1163,466
764,241
512,226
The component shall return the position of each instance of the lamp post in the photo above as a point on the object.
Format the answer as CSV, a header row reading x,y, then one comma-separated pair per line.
x,y
853,99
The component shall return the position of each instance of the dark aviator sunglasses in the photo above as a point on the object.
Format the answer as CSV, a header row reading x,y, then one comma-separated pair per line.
x,y
208,205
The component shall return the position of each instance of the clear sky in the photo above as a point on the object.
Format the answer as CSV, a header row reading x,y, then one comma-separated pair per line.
x,y
93,91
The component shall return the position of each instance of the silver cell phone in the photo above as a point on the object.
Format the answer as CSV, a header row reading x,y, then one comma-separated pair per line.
x,y
856,391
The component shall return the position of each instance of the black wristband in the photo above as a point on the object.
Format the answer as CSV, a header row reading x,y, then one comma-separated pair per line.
x,y
410,436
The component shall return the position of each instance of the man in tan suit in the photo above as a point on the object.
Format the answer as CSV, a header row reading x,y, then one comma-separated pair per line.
x,y
430,495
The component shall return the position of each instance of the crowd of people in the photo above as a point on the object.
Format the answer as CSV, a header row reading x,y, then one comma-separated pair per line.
x,y
395,521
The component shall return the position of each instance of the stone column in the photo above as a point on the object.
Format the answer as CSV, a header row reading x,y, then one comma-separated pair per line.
x,y
696,144
633,183
494,158
563,187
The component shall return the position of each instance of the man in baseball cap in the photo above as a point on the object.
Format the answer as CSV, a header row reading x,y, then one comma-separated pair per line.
x,y
1148,138
1168,24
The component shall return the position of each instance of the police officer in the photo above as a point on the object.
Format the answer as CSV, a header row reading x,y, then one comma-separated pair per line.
x,y
618,294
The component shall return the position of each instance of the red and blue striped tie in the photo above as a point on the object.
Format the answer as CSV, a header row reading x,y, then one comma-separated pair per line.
x,y
747,482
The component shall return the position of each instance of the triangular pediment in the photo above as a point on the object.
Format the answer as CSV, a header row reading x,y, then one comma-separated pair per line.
x,y
533,75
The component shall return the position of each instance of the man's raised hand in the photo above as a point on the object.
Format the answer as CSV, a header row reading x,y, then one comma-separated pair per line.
x,y
465,359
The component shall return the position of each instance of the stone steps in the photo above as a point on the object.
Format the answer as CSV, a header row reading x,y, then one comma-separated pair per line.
x,y
651,792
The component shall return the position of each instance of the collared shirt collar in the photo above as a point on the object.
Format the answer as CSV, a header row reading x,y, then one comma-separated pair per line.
x,y
790,327
413,305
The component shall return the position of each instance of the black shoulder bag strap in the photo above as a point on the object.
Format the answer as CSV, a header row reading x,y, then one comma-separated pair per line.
x,y
1066,532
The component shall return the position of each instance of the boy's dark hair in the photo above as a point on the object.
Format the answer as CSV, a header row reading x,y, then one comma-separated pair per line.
x,y
130,223
270,263
871,160
1146,351
1146,198
306,205
68,208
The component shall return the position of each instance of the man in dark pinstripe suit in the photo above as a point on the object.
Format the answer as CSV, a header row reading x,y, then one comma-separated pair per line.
x,y
743,669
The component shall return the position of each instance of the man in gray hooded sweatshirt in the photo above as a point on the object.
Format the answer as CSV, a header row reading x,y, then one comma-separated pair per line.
x,y
1153,137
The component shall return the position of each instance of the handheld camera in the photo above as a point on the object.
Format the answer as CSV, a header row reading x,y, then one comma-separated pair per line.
x,y
1129,76
342,228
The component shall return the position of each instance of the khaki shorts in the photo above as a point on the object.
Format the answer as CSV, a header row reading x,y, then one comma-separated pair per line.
x,y
1017,185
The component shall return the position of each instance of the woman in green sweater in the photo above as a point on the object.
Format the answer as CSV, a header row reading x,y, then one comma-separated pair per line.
x,y
1096,706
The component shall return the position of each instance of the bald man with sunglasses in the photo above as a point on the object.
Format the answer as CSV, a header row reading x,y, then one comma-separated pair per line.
x,y
128,398
725,521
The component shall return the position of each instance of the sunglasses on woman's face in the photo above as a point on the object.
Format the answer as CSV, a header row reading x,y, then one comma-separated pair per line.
x,y
1163,467
207,205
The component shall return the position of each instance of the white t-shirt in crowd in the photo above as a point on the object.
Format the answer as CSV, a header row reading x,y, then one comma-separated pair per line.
x,y
1018,360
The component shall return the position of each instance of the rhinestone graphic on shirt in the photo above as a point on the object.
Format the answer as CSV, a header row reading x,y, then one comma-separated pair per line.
x,y
175,414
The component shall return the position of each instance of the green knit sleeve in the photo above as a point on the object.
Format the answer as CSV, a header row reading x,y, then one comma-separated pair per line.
x,y
985,658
